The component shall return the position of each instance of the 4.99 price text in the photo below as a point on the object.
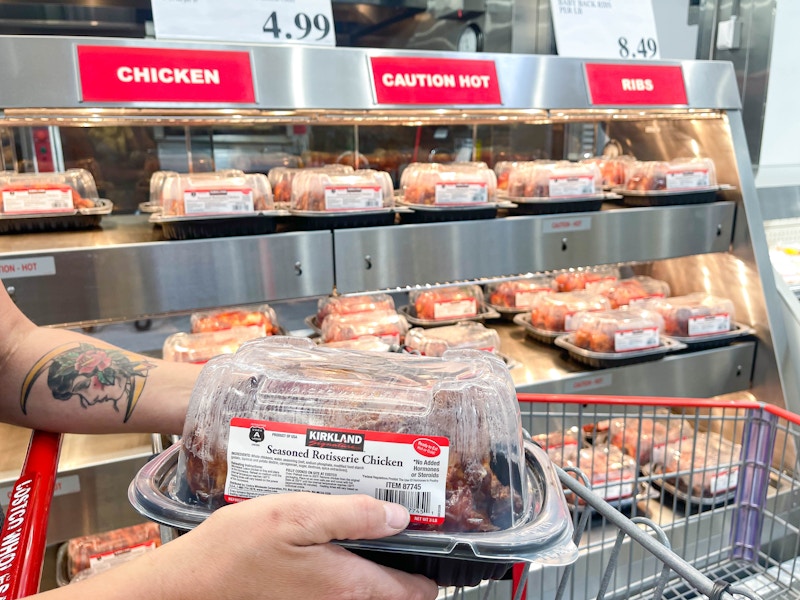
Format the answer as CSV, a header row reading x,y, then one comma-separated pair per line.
x,y
304,23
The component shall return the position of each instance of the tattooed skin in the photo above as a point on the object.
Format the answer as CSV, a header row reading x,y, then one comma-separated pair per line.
x,y
90,374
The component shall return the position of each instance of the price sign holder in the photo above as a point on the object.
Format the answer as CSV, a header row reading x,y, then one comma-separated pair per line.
x,y
307,22
617,29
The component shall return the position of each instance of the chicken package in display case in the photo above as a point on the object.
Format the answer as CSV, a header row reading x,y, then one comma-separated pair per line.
x,y
219,320
679,181
201,347
441,436
50,201
347,305
614,170
553,314
365,343
519,295
630,291
384,324
446,305
577,279
281,180
435,341
542,187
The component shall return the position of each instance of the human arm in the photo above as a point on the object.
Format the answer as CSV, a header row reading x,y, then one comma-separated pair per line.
x,y
59,380
271,547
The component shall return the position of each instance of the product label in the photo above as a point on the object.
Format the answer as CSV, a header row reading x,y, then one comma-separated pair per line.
x,y
636,339
342,197
614,490
677,180
724,481
461,193
455,309
38,201
200,202
265,457
571,186
710,324
109,559
525,299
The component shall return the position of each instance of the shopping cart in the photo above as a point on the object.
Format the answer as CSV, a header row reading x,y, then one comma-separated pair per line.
x,y
658,539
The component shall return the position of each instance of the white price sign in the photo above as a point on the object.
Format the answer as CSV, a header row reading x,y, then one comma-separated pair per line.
x,y
260,21
621,29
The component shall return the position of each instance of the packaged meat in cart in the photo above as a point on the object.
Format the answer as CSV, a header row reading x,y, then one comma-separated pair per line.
x,y
327,191
462,336
449,185
384,324
562,179
102,551
346,305
611,473
694,315
577,279
703,466
201,347
620,330
282,178
216,193
47,193
638,437
219,320
520,294
556,312
630,291
446,303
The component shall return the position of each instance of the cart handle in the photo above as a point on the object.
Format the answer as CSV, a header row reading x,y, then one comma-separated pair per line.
x,y
661,401
24,533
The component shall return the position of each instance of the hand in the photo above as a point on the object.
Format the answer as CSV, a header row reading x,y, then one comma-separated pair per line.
x,y
272,547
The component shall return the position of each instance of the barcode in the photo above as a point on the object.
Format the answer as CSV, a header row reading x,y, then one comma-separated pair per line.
x,y
415,502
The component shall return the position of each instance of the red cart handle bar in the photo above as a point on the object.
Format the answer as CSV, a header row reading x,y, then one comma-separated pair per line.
x,y
779,412
24,533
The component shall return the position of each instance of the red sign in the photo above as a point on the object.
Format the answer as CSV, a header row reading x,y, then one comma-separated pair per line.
x,y
123,74
434,81
635,85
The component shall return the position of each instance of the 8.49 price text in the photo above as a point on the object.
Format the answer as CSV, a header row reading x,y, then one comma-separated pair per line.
x,y
305,23
645,48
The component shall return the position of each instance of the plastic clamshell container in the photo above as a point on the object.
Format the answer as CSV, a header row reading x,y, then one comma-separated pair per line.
x,y
219,320
47,193
449,185
98,552
676,175
638,437
462,336
620,330
694,315
577,279
282,178
217,193
384,324
453,422
520,294
555,312
555,180
446,303
630,291
345,305
367,343
614,170
612,474
704,466
202,347
324,191
555,439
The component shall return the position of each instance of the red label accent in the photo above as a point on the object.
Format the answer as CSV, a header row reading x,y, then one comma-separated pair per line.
x,y
434,81
427,448
638,85
120,74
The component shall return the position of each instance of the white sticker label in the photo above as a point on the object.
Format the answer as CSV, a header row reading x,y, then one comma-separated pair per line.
x,y
102,562
265,457
526,299
342,197
27,267
461,193
613,490
677,180
38,201
564,224
588,383
724,481
209,202
455,309
635,339
571,186
709,325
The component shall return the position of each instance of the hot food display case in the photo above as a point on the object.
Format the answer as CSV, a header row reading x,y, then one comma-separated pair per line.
x,y
383,110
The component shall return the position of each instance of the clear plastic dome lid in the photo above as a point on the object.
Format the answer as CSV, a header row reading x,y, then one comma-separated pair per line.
x,y
520,293
326,191
577,279
562,179
217,193
555,312
693,315
680,174
630,291
282,178
47,192
456,184
446,303
202,347
384,324
437,340
226,318
353,304
621,330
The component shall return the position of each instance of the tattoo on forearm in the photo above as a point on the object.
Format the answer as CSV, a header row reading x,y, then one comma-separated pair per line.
x,y
90,374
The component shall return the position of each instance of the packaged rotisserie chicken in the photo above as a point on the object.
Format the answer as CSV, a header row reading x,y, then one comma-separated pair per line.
x,y
449,303
201,347
520,294
577,279
562,179
556,312
321,191
630,291
449,185
619,330
226,318
345,305
694,315
384,324
217,193
47,193
462,336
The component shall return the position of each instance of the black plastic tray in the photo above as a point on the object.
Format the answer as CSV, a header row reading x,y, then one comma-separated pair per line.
x,y
540,335
190,228
506,312
716,340
551,206
484,312
605,360
82,218
308,221
421,213
668,197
